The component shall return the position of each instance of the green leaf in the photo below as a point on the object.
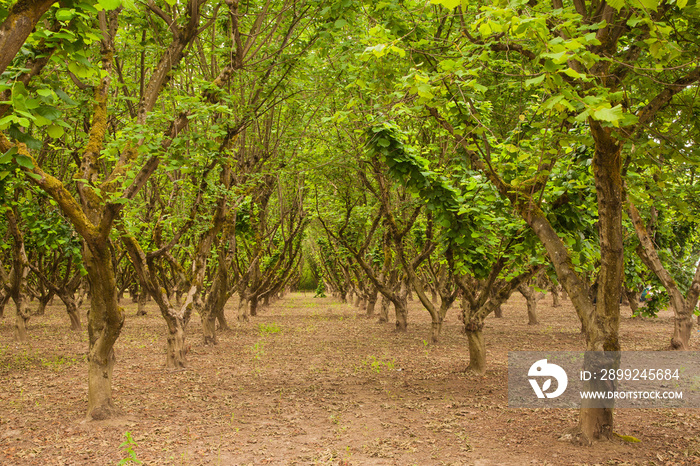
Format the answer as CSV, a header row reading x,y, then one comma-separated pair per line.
x,y
617,4
535,80
114,4
65,97
681,3
382,142
55,131
65,14
649,4
7,156
612,115
24,161
449,4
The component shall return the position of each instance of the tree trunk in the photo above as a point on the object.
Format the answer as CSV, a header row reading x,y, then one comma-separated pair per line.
x,y
498,312
242,309
401,315
209,328
555,296
105,321
371,302
531,296
142,300
176,357
682,328
221,319
436,328
21,319
633,301
43,301
73,313
4,298
602,332
253,306
532,312
384,310
477,348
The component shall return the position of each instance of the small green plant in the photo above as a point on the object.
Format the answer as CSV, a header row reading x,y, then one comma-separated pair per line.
x,y
258,349
57,363
268,329
128,447
376,365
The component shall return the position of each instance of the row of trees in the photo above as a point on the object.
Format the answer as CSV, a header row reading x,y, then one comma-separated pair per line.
x,y
183,150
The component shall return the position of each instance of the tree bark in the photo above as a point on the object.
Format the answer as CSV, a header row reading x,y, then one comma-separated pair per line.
x,y
43,301
253,306
177,352
21,318
142,300
105,321
242,307
4,298
73,314
384,310
632,300
401,316
555,296
531,296
20,22
371,302
498,312
477,348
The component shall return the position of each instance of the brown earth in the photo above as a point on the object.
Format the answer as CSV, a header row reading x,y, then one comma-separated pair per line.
x,y
312,381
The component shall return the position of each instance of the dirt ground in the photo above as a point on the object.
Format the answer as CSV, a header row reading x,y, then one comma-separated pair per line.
x,y
312,381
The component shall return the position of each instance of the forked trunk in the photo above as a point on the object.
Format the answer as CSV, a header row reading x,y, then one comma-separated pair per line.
x,y
43,301
358,300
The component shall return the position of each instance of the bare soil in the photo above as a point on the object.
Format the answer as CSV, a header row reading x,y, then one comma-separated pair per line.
x,y
312,381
